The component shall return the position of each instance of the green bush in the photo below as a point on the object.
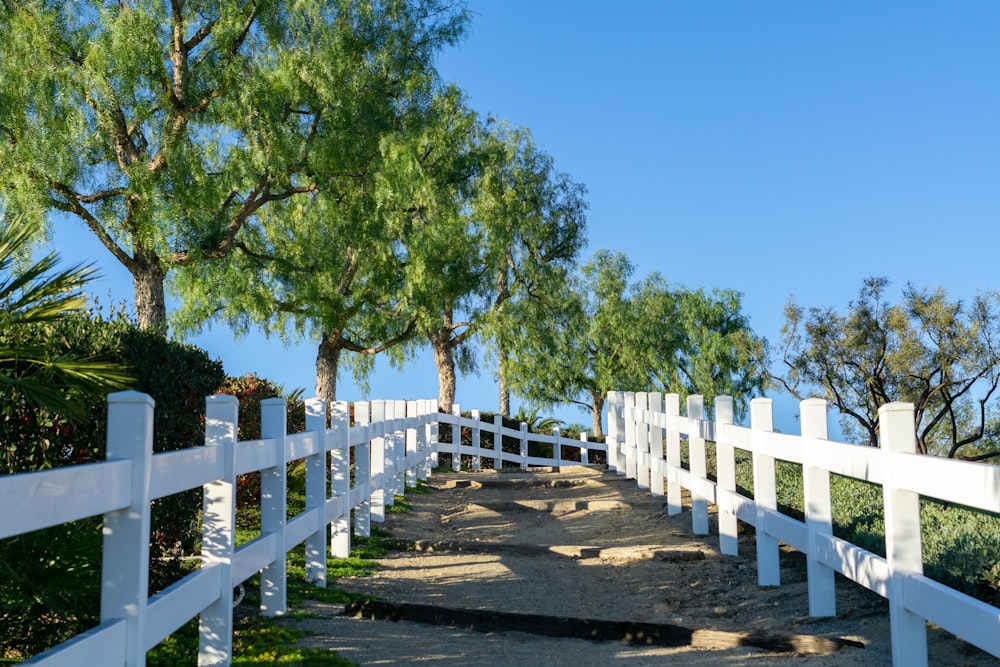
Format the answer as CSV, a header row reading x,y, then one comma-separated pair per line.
x,y
55,594
251,390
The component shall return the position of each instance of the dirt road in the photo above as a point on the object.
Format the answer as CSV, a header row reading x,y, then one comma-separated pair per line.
x,y
586,544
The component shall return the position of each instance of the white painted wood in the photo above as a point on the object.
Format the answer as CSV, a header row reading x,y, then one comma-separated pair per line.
x,y
477,451
964,482
273,495
253,557
584,450
103,645
434,435
498,442
304,444
557,447
631,452
316,493
173,472
819,515
171,608
382,415
254,455
857,564
218,526
642,464
725,457
959,614
125,561
415,444
362,471
764,492
672,408
36,500
340,479
656,458
456,439
524,446
902,536
699,466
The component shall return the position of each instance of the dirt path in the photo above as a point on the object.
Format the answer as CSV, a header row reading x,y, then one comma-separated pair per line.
x,y
586,544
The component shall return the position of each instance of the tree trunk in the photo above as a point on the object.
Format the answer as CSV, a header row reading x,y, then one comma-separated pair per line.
x,y
327,363
147,277
445,363
598,408
503,293
504,401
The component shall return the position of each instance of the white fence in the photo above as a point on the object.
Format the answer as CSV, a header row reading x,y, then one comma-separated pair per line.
x,y
394,443
561,446
393,446
644,437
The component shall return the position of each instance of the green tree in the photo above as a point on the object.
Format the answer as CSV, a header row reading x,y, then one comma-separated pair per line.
x,y
536,218
171,130
607,333
345,266
498,234
941,355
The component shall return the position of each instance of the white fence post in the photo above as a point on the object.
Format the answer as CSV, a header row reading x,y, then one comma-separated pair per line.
x,y
819,513
414,443
642,440
584,450
614,437
316,493
456,438
431,435
476,441
215,624
764,493
378,471
273,497
699,467
399,447
524,446
363,472
340,477
725,462
125,566
903,548
557,447
630,426
656,487
672,408
498,442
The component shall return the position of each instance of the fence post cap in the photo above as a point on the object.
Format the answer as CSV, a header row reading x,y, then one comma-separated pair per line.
x,y
131,396
221,399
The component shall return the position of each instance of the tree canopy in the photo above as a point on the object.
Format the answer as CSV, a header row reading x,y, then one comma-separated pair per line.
x,y
601,332
173,131
942,355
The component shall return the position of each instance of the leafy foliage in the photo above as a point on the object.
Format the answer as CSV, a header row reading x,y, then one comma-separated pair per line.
x,y
178,150
941,355
59,568
251,390
598,331
38,370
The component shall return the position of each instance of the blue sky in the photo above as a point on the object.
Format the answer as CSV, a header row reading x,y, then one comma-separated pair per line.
x,y
775,147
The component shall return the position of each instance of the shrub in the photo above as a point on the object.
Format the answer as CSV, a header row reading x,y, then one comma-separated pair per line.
x,y
251,390
56,591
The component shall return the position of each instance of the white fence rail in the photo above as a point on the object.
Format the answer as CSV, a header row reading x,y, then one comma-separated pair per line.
x,y
560,445
644,440
393,443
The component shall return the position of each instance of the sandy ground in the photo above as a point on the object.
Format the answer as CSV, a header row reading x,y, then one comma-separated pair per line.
x,y
587,544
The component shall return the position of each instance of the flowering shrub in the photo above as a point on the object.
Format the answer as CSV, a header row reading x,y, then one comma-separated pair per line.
x,y
251,390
